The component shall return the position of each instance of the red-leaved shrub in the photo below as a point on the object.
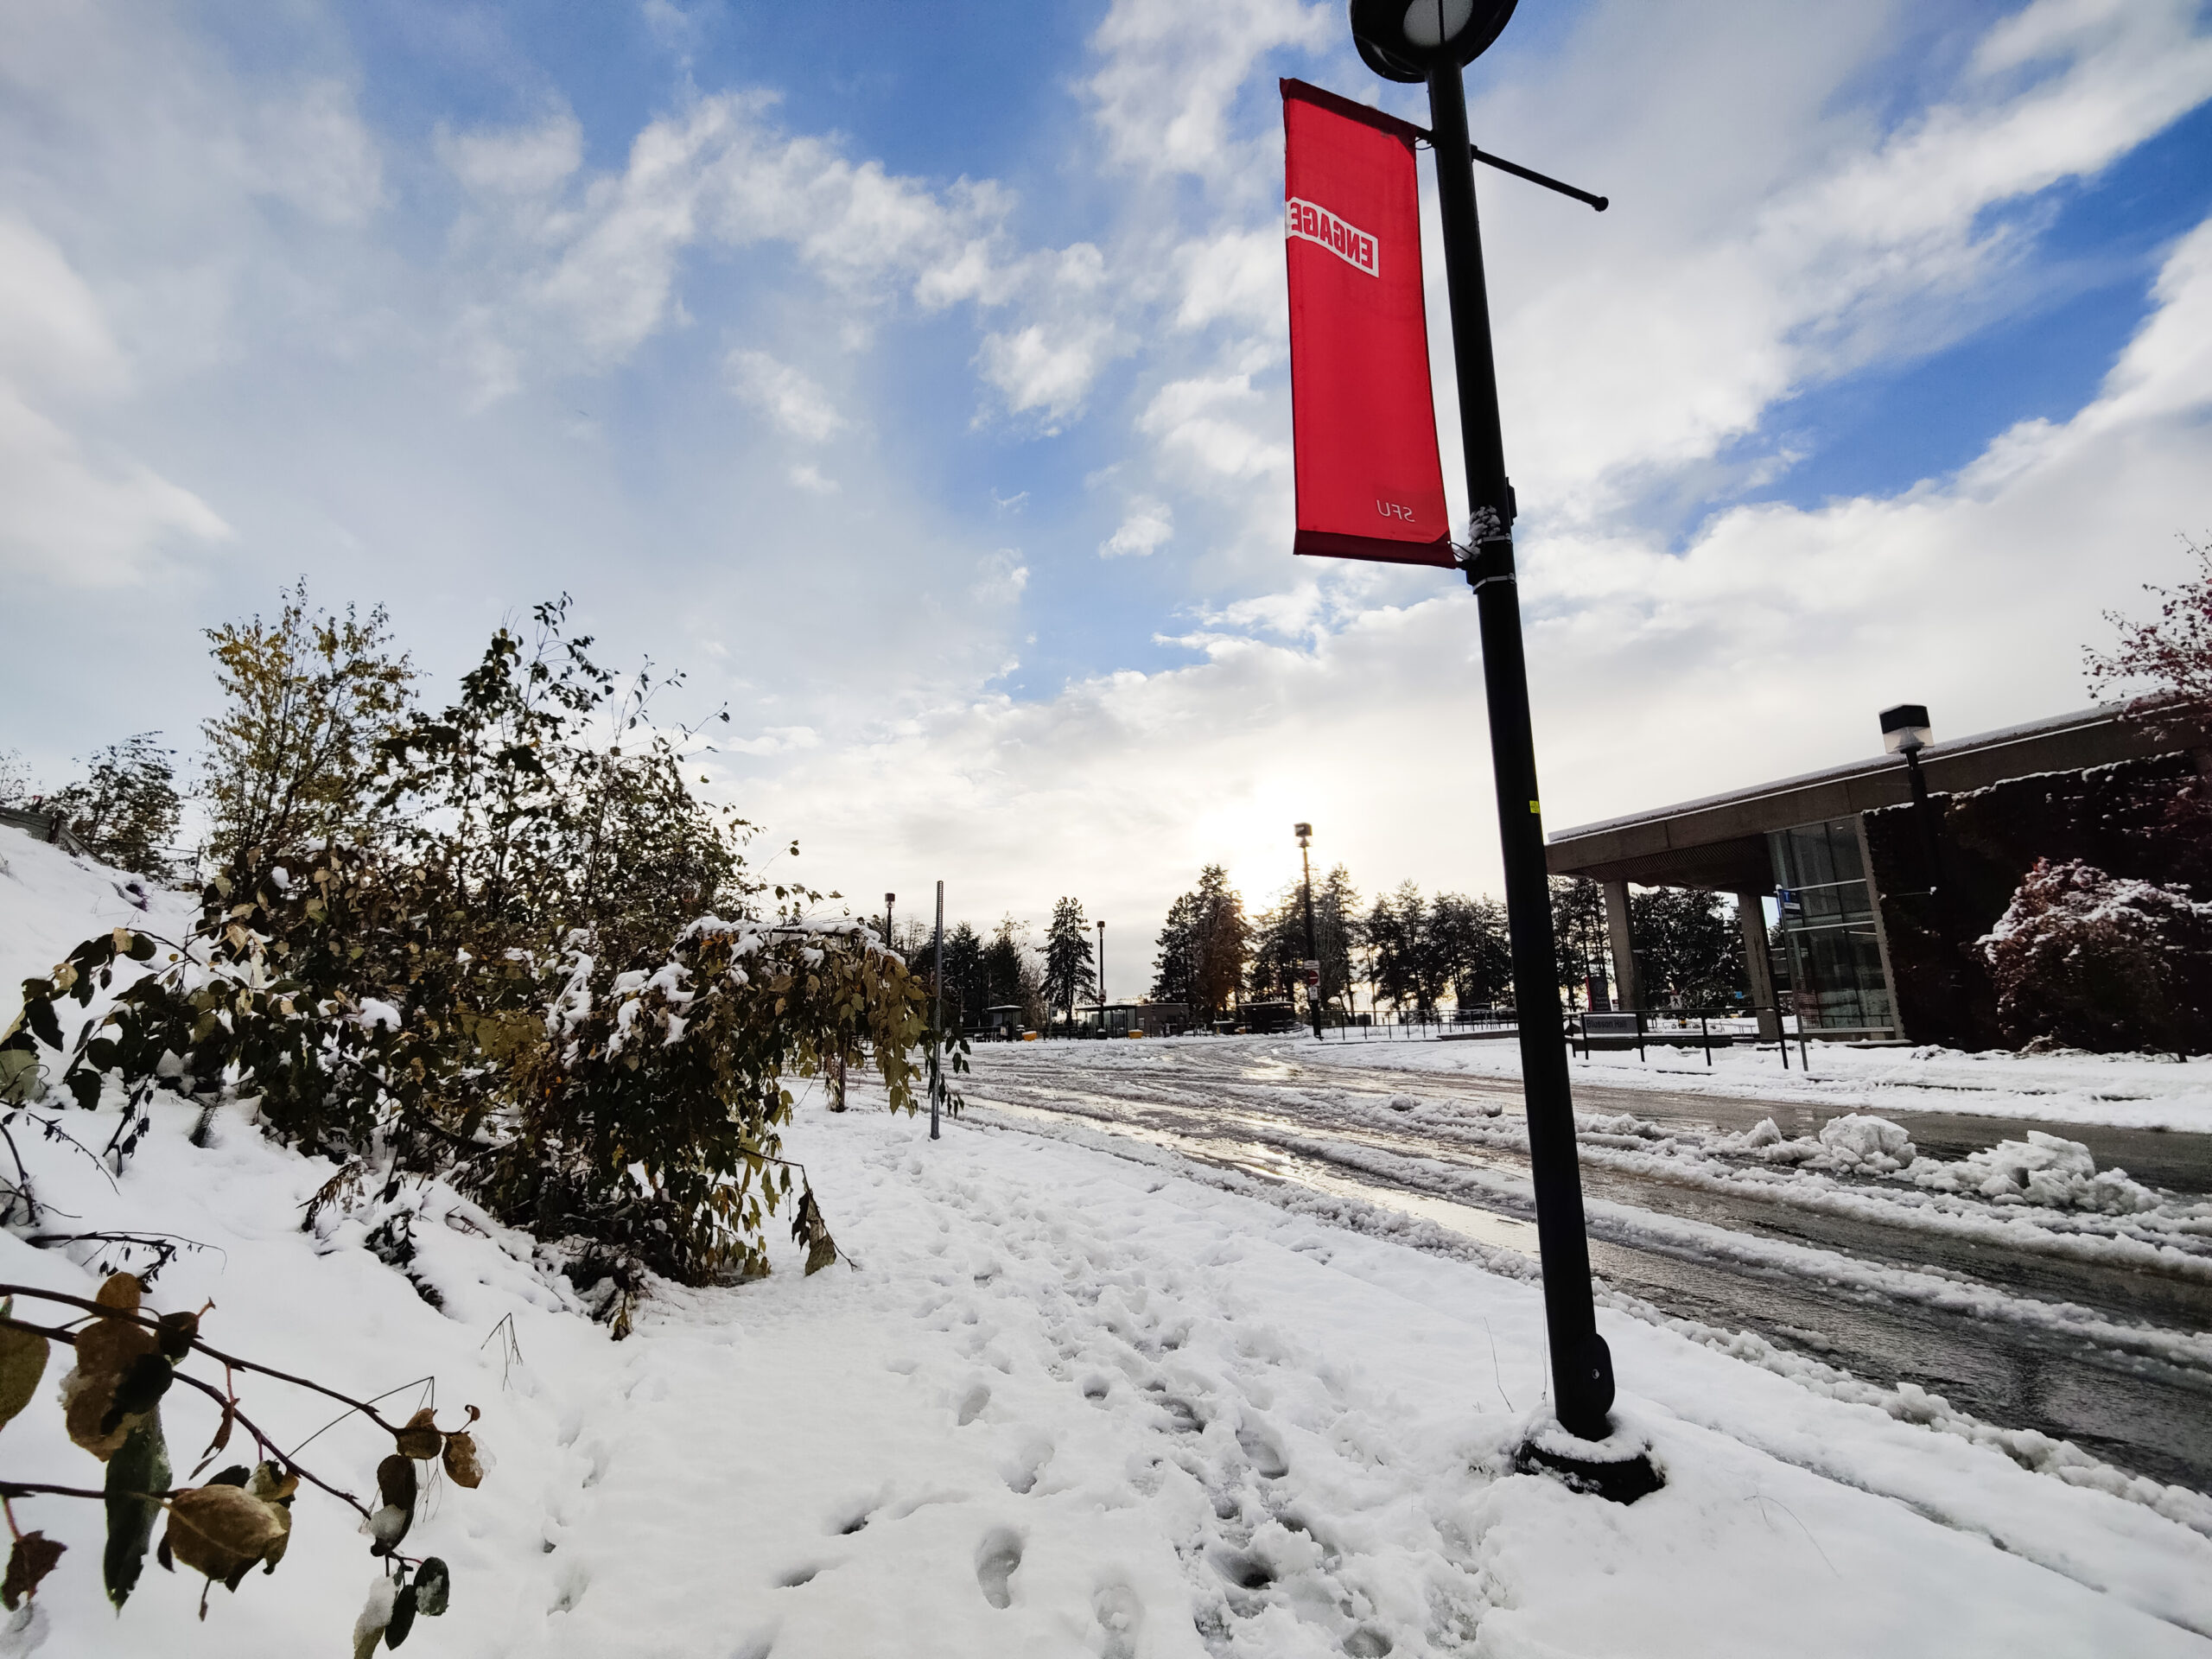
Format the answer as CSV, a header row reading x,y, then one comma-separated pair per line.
x,y
2098,962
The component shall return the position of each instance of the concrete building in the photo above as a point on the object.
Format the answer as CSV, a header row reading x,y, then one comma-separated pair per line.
x,y
1803,841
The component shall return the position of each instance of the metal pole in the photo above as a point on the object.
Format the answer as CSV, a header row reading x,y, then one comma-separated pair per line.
x,y
936,1015
1102,979
1582,1367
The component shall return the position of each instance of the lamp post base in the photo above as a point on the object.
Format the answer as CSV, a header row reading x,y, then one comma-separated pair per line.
x,y
1618,1480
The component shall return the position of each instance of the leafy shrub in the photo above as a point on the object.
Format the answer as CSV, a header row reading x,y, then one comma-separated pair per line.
x,y
2092,961
555,984
127,1362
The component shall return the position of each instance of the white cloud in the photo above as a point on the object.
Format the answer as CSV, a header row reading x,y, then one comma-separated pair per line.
x,y
1147,524
67,516
1047,370
795,404
1172,69
309,149
776,740
1000,578
1216,424
527,161
54,335
810,477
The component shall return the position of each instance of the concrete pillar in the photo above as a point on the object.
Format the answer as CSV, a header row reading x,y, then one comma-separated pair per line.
x,y
1628,983
1751,915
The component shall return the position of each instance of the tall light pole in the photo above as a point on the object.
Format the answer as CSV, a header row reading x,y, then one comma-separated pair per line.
x,y
936,1011
889,898
1102,979
1429,41
1312,966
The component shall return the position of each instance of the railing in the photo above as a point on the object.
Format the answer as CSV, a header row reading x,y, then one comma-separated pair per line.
x,y
48,826
1727,1026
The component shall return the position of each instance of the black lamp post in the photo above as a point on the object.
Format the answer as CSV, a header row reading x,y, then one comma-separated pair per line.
x,y
889,898
1102,979
1430,41
1305,834
1906,730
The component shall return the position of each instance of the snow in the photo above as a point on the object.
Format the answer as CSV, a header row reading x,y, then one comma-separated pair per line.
x,y
1064,1399
1857,1141
2044,1169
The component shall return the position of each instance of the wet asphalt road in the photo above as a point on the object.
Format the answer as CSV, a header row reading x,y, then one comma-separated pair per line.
x,y
1267,1108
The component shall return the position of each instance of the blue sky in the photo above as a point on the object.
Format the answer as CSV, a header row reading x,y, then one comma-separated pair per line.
x,y
917,383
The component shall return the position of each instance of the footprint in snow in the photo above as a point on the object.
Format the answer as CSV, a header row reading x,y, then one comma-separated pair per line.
x,y
1264,1449
972,1404
1022,1472
997,1559
1120,1614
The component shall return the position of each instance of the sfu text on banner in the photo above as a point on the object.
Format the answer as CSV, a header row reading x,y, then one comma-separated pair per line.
x,y
1364,418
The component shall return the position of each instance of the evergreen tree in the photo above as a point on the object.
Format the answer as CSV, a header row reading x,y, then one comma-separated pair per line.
x,y
1578,931
1203,947
1473,955
1278,945
1223,944
964,983
124,809
1395,928
1336,934
1687,946
1071,963
1175,962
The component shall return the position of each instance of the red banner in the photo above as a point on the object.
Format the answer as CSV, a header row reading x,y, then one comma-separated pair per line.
x,y
1364,419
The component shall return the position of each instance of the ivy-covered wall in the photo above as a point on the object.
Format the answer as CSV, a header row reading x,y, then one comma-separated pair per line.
x,y
2150,819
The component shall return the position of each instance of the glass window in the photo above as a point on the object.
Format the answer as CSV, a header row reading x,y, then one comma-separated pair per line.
x,y
1828,919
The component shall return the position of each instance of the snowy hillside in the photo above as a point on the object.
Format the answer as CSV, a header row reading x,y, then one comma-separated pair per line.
x,y
1065,1399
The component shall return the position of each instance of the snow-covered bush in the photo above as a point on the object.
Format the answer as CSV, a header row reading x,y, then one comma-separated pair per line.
x,y
528,988
2097,962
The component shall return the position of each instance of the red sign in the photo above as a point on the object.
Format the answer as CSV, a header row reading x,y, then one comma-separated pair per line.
x,y
1370,484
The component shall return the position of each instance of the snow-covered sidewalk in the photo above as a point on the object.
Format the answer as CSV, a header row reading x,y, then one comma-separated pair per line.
x,y
1069,1403
2116,1091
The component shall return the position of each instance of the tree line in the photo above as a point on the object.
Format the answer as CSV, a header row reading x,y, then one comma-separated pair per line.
x,y
1414,953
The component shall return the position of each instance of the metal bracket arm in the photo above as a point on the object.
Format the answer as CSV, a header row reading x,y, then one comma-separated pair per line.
x,y
1600,203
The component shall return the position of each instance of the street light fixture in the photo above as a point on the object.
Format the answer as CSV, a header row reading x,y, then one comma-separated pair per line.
x,y
1430,41
1102,979
1906,730
1403,42
889,898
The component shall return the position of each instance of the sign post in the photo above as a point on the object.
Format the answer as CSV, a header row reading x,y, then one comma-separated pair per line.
x,y
1428,42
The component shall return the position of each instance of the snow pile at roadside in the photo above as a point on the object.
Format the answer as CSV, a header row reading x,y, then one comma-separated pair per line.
x,y
1874,1145
2044,1169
